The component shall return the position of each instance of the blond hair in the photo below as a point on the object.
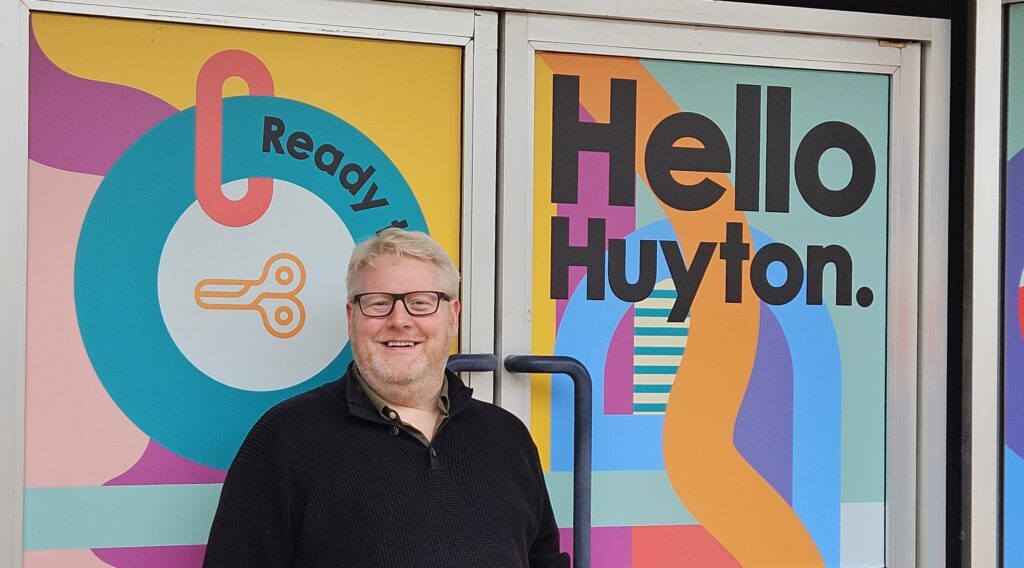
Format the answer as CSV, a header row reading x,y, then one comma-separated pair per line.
x,y
397,243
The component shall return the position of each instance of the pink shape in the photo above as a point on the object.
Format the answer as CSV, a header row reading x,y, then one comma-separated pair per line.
x,y
679,546
209,133
592,202
81,125
610,547
78,558
159,465
190,556
618,368
74,433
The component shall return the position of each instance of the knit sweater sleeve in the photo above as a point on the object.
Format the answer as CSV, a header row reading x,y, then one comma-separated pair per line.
x,y
544,550
254,526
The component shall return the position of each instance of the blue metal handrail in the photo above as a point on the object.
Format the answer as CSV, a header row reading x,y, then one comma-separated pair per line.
x,y
472,362
582,428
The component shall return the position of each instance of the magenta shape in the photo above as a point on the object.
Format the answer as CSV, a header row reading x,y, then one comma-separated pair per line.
x,y
592,202
80,125
764,427
158,465
618,368
188,556
610,547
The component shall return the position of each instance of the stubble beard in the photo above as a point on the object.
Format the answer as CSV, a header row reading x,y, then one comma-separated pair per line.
x,y
384,375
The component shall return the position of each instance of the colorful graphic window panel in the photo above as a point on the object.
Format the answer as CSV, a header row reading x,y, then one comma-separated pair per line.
x,y
712,243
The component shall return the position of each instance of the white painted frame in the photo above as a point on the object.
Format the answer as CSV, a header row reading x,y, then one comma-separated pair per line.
x,y
983,343
916,409
473,30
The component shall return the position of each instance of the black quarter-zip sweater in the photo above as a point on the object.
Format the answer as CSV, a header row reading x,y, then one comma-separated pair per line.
x,y
323,480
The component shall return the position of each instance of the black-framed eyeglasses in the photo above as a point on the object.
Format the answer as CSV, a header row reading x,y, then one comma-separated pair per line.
x,y
381,304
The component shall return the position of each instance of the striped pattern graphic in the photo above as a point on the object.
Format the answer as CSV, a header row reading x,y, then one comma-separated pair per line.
x,y
658,347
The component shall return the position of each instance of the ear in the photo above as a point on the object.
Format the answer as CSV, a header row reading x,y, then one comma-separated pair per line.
x,y
348,316
456,310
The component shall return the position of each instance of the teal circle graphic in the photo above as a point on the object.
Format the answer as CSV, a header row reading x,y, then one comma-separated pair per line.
x,y
123,234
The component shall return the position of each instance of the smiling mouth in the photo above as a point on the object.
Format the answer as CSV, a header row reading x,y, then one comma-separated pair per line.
x,y
398,343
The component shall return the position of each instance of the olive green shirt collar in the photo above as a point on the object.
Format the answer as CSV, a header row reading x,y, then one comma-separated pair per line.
x,y
391,415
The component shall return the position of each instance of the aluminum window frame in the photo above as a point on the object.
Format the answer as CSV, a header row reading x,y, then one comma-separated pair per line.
x,y
475,31
918,222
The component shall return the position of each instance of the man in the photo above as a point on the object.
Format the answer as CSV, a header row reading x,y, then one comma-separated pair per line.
x,y
395,464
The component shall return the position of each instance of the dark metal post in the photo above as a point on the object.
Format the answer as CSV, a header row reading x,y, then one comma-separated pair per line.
x,y
582,426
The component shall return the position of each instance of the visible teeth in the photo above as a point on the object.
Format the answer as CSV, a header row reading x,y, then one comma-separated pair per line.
x,y
400,343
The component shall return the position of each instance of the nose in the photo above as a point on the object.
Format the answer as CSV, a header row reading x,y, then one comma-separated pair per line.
x,y
399,316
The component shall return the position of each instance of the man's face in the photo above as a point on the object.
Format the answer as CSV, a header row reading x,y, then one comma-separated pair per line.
x,y
401,349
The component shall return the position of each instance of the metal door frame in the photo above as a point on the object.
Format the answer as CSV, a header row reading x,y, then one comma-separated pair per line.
x,y
916,359
475,31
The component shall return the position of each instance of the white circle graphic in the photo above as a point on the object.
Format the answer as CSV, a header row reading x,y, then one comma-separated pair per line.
x,y
260,307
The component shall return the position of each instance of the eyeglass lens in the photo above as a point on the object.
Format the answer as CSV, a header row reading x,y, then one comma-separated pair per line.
x,y
379,304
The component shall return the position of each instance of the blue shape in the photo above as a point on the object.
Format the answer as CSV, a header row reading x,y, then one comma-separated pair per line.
x,y
817,417
656,369
649,407
777,274
652,388
652,313
657,350
662,331
123,234
116,516
1013,508
622,441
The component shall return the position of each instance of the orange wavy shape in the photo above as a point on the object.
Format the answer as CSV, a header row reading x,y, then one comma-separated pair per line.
x,y
718,486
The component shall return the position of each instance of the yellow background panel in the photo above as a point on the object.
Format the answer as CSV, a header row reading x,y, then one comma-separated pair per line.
x,y
405,97
543,341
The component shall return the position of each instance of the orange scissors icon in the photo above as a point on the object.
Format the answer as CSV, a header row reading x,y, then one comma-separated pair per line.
x,y
274,295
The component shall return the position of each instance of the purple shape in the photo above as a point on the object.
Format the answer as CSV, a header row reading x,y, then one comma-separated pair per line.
x,y
189,556
158,465
618,368
1013,350
610,547
764,426
592,202
80,125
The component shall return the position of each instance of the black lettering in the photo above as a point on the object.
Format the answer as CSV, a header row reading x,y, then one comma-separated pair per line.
x,y
362,175
777,140
647,274
399,223
299,145
368,202
734,251
663,157
818,257
865,296
785,292
840,202
686,280
569,136
336,155
564,255
748,147
273,129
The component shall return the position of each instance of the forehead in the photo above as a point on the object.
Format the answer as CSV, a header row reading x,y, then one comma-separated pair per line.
x,y
404,274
